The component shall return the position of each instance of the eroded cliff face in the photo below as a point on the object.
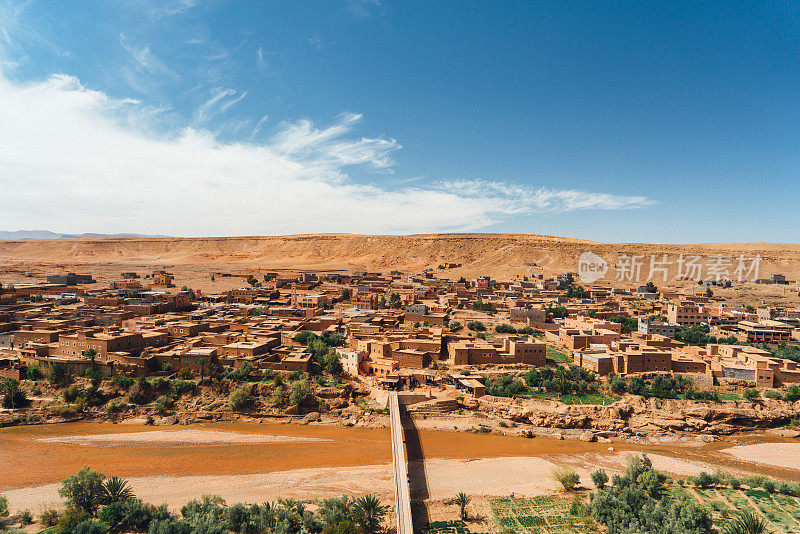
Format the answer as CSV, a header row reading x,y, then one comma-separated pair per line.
x,y
499,255
635,414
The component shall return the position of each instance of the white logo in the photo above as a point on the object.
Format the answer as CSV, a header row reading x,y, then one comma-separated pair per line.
x,y
591,267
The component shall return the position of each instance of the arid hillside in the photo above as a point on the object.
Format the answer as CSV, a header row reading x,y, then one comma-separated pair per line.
x,y
499,255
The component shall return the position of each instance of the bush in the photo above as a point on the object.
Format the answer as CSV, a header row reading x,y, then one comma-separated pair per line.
x,y
137,394
159,383
703,480
72,393
600,478
792,393
566,477
562,380
25,518
773,394
163,404
115,406
299,391
49,517
122,381
59,376
70,519
179,387
241,398
617,384
505,329
753,481
91,527
504,386
769,486
3,506
240,374
33,373
12,396
734,482
577,507
752,395
476,326
637,503
84,490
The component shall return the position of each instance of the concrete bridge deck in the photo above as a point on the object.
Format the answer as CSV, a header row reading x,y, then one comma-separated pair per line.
x,y
401,493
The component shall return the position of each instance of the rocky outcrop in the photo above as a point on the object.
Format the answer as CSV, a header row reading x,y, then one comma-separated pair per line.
x,y
635,414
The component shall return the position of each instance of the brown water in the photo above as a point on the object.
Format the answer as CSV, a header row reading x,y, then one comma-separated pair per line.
x,y
24,461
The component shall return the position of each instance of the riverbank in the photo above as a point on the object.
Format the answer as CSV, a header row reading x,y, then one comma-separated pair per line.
x,y
523,476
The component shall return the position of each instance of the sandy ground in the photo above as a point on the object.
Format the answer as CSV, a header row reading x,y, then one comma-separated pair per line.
x,y
438,479
174,438
777,454
503,256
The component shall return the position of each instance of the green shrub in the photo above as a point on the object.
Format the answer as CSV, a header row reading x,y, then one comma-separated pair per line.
x,y
638,503
122,381
792,393
769,486
72,393
179,387
566,477
159,383
3,506
115,406
600,478
734,482
241,398
49,517
33,373
11,395
91,527
773,394
703,480
299,391
26,518
753,481
84,490
476,326
59,375
70,518
752,395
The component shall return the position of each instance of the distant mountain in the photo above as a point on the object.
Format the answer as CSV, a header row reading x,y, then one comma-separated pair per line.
x,y
46,234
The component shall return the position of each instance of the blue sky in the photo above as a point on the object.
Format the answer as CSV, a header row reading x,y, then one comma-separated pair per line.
x,y
613,121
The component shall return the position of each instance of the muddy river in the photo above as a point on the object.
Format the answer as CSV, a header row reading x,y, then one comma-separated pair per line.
x,y
34,455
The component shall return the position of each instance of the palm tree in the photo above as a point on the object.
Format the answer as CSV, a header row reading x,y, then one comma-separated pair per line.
x,y
746,522
369,513
462,500
268,515
202,362
288,503
117,490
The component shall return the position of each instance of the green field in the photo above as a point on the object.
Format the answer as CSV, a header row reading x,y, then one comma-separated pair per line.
x,y
557,355
538,515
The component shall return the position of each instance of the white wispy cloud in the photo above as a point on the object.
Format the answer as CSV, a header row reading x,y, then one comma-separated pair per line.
x,y
221,100
77,160
363,8
166,8
542,199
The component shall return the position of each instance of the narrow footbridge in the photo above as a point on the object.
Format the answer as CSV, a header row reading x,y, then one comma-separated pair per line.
x,y
401,493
